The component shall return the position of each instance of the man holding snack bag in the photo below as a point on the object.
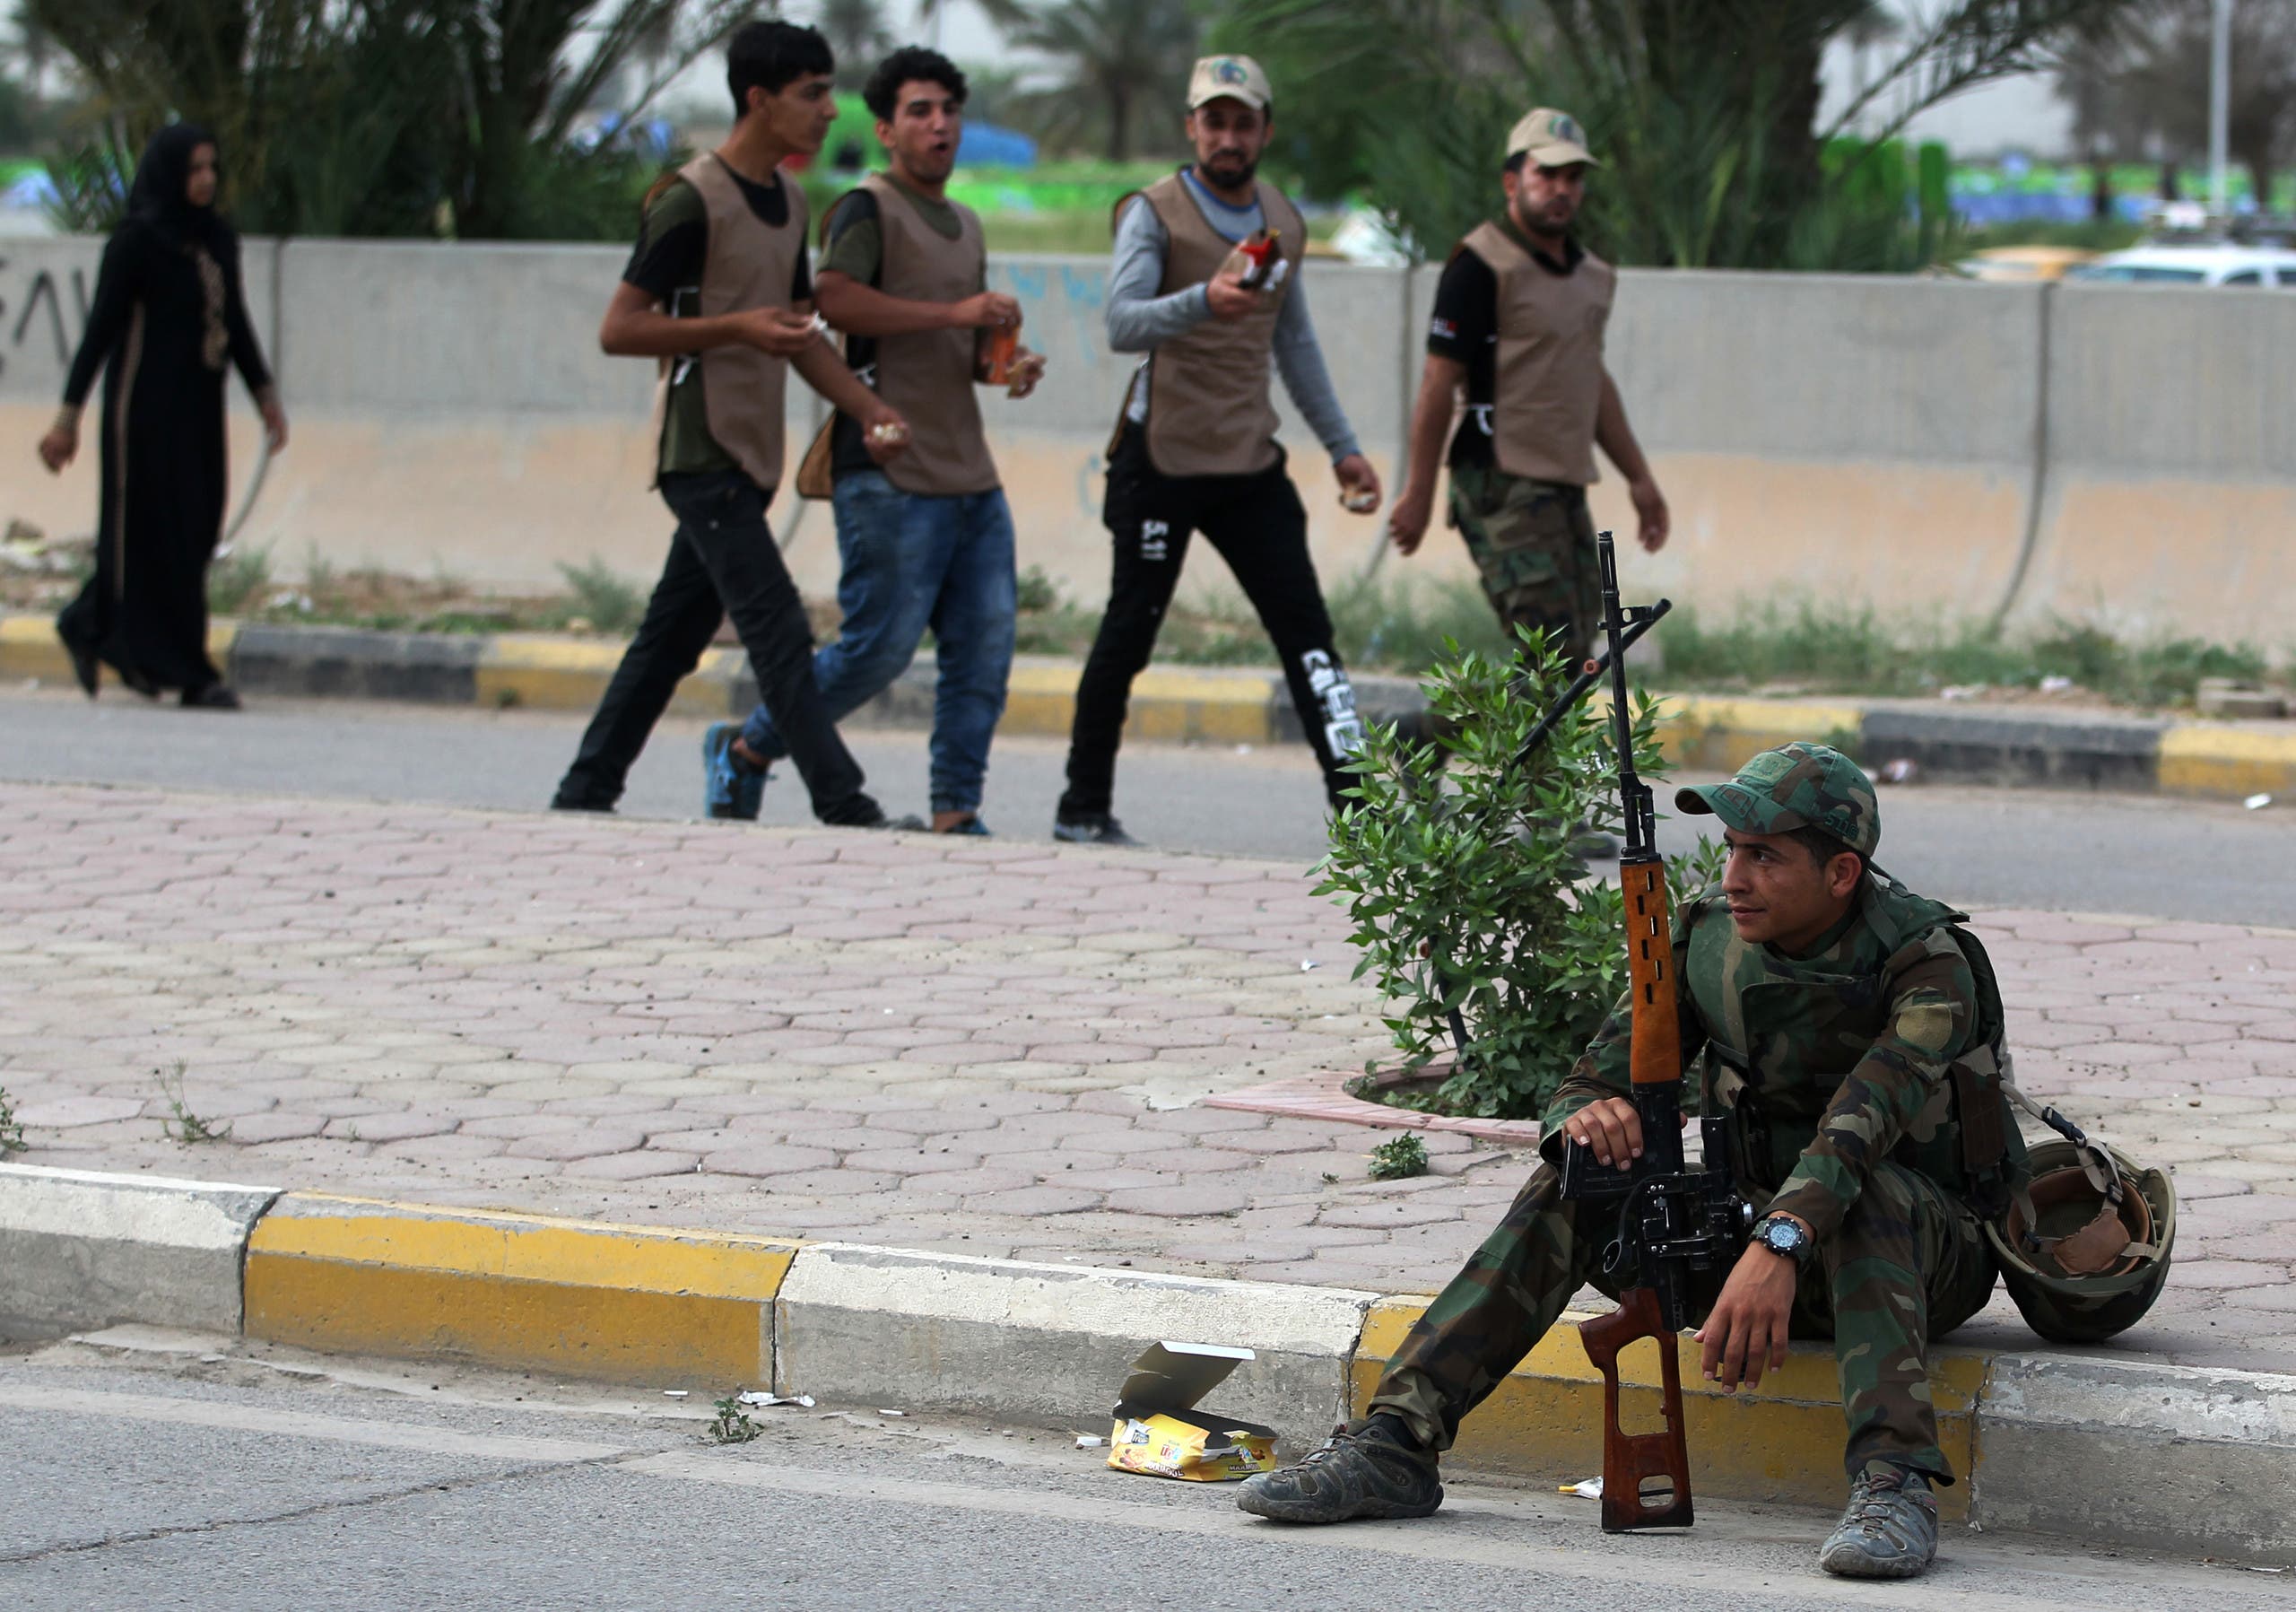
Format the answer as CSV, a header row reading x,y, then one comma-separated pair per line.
x,y
926,539
718,292
1205,280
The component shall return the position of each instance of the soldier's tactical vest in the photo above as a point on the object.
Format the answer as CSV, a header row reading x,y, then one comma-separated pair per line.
x,y
1548,386
927,376
1782,1034
1210,411
750,263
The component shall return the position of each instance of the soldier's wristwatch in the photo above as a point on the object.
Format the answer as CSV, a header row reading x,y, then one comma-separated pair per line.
x,y
1782,1236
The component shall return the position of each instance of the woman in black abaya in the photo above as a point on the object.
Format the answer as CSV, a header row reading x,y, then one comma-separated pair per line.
x,y
168,316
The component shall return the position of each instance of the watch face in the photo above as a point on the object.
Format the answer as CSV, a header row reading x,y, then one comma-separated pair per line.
x,y
1781,1237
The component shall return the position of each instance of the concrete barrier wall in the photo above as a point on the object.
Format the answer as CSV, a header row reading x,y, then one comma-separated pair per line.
x,y
1931,448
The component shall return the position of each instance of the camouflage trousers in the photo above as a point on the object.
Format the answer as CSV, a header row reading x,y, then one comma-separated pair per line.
x,y
1533,545
1908,1263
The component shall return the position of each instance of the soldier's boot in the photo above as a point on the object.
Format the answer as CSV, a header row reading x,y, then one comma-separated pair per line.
x,y
1369,1468
1890,1530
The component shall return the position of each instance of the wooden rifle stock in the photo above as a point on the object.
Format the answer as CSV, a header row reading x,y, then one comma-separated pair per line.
x,y
1631,1461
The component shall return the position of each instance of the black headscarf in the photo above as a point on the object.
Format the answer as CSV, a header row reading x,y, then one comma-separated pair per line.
x,y
158,198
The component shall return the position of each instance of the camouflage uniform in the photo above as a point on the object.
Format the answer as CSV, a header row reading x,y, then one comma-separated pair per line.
x,y
1533,548
1837,1066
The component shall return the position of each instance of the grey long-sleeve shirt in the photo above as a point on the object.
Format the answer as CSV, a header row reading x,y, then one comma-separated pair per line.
x,y
1138,319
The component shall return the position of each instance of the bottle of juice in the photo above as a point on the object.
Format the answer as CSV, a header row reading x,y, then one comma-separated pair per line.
x,y
993,351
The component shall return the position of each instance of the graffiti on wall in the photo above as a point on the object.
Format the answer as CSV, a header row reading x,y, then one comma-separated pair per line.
x,y
41,315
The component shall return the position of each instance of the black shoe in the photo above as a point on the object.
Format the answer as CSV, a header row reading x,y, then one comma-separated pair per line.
x,y
563,805
863,812
86,669
1366,1471
1098,828
215,696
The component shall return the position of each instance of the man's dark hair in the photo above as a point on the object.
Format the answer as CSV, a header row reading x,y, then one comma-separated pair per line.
x,y
1514,164
911,64
1822,847
771,56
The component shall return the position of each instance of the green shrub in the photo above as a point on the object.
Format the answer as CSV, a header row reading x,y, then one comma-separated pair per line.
x,y
1464,890
238,580
609,602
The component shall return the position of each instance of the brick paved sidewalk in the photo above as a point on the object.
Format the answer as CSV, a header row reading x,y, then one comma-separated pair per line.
x,y
986,1047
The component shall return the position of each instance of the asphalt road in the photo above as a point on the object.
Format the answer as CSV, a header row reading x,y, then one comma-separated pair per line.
x,y
2205,861
206,1481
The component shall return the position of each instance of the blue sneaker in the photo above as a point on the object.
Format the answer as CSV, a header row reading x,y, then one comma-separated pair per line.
x,y
970,827
731,790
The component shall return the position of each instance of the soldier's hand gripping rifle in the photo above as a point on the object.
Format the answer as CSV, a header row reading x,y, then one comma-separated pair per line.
x,y
1678,1229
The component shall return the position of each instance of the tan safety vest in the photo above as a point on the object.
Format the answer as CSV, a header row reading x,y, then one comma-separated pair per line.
x,y
1549,385
927,376
1210,411
751,264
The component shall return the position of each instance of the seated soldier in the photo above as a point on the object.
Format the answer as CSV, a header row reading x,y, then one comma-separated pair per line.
x,y
1835,1009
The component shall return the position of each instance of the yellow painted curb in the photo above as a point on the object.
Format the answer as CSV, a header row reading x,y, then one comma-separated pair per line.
x,y
1169,703
538,672
28,648
1781,1441
1040,702
2213,758
618,1304
1722,735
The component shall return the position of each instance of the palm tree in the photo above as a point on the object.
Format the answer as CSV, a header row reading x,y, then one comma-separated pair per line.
x,y
36,44
1117,53
856,32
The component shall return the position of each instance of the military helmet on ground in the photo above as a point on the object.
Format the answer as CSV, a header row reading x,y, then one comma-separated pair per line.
x,y
2079,1267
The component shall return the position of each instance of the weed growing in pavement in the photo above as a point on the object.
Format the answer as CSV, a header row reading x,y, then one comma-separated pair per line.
x,y
733,1424
12,1130
1400,1159
185,1126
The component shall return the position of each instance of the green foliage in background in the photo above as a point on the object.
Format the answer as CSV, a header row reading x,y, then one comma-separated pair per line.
x,y
1457,871
1823,648
381,117
1703,112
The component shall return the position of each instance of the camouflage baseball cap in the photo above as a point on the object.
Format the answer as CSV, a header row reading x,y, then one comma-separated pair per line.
x,y
1795,786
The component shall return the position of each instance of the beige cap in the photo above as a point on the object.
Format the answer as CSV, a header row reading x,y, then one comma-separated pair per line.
x,y
1552,139
1236,77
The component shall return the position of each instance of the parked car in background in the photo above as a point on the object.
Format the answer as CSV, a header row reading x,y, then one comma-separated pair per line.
x,y
2022,266
2196,265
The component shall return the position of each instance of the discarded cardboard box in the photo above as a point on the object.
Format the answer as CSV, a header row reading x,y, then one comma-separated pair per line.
x,y
1160,1431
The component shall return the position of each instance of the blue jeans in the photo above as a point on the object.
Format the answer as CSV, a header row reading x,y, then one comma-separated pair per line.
x,y
913,560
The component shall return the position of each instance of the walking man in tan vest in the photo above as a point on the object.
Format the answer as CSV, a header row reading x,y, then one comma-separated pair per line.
x,y
1196,447
719,293
1517,333
926,539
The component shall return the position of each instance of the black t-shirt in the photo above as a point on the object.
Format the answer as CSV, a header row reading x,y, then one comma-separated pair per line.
x,y
848,451
668,263
1465,328
675,244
